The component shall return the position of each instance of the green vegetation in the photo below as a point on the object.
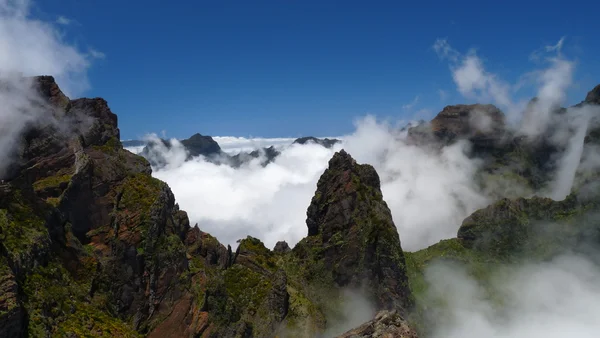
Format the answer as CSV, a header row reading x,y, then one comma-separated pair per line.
x,y
7,299
111,146
140,191
59,303
51,182
21,245
259,254
247,288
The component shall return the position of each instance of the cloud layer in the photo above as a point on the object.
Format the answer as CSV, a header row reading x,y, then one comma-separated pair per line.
x,y
559,298
271,202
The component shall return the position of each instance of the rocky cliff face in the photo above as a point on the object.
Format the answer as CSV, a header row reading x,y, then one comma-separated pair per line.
x,y
352,228
87,232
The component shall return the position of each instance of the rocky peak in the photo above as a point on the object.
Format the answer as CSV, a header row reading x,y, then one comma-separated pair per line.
x,y
339,182
97,117
351,223
467,121
199,144
281,247
49,90
593,96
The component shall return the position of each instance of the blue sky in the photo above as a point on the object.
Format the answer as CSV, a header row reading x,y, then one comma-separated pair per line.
x,y
298,68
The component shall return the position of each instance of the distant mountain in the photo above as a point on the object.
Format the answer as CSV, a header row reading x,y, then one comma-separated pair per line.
x,y
327,143
206,146
133,143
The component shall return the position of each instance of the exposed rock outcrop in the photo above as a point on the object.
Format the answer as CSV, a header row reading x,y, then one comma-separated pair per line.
x,y
282,247
387,324
593,96
483,125
352,239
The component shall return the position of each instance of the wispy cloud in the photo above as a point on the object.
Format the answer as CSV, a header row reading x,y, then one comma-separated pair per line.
x,y
96,54
556,49
63,20
443,95
475,82
412,104
444,50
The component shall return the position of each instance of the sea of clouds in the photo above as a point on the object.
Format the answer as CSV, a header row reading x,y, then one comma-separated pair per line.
x,y
429,193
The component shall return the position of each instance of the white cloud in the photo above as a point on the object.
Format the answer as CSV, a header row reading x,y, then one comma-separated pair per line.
x,y
415,180
34,47
271,202
555,299
234,145
63,20
575,127
474,82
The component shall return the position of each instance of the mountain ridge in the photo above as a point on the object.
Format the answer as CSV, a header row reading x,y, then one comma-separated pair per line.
x,y
91,243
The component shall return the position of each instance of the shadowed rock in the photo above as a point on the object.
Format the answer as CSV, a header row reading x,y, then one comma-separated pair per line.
x,y
387,324
281,247
326,142
351,225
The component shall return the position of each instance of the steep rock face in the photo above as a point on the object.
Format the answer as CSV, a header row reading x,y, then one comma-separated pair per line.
x,y
352,237
524,226
387,324
593,96
86,230
249,298
483,125
202,245
468,121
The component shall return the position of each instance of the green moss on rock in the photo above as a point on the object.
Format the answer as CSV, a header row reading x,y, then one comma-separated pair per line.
x,y
22,245
52,181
